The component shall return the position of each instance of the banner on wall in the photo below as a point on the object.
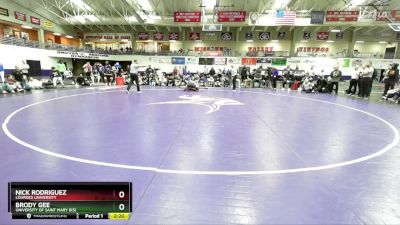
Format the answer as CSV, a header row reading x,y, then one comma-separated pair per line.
x,y
80,55
248,35
153,59
249,61
313,49
165,60
281,35
306,35
4,12
322,36
158,36
342,16
264,35
339,36
173,36
20,16
279,61
180,17
193,36
234,61
143,36
393,16
47,23
317,17
206,61
263,60
178,60
346,63
192,60
231,16
226,36
107,36
35,20
220,61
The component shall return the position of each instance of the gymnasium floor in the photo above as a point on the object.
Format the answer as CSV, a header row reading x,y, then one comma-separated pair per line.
x,y
253,156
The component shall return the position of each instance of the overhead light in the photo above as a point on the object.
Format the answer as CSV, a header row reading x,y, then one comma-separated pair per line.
x,y
172,40
145,5
124,40
356,2
274,40
26,27
69,36
102,39
209,4
249,41
80,4
330,41
197,40
360,42
57,34
335,31
303,11
383,42
280,4
304,41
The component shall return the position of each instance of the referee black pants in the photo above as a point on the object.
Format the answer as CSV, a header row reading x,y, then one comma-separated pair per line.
x,y
134,77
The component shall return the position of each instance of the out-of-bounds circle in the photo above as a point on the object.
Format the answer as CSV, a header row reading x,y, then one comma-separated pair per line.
x,y
395,141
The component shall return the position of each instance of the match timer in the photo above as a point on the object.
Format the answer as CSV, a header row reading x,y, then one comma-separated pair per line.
x,y
70,200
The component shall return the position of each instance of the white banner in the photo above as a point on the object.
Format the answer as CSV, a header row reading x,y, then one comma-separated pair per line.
x,y
192,60
107,36
79,55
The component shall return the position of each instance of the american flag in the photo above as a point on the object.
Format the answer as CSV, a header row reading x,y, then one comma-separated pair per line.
x,y
285,17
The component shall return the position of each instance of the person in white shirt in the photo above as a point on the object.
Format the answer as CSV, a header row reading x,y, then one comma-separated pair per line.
x,y
134,69
354,80
365,80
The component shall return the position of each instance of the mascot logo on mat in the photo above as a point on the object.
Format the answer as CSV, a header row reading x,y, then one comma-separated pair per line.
x,y
211,102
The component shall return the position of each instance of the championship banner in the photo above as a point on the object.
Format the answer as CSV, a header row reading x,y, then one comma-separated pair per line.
x,y
143,36
226,36
281,35
47,23
339,36
181,17
322,36
193,36
342,16
4,12
173,36
307,35
249,61
264,36
35,20
317,17
20,16
231,16
248,35
159,36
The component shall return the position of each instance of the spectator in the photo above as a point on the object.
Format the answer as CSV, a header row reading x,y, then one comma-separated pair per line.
x,y
87,68
391,78
2,78
56,77
354,80
365,80
61,68
335,76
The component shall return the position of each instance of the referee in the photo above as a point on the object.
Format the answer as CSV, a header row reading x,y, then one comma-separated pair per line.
x,y
134,67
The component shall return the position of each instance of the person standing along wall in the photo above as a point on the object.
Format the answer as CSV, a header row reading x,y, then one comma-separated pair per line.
x,y
365,80
2,78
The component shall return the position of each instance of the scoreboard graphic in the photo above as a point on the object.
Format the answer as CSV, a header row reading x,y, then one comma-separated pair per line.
x,y
70,200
